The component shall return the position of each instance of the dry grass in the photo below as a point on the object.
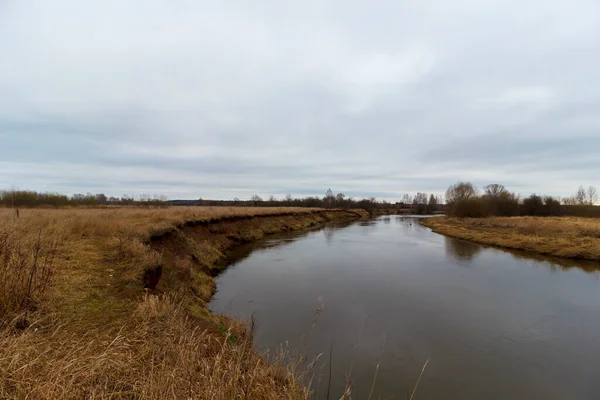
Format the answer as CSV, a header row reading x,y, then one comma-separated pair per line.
x,y
101,250
161,354
26,263
568,237
89,331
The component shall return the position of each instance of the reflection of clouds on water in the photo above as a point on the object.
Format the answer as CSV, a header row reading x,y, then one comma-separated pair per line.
x,y
461,249
424,291
409,224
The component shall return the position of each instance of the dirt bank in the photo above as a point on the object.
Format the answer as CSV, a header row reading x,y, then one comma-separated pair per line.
x,y
567,237
91,330
191,255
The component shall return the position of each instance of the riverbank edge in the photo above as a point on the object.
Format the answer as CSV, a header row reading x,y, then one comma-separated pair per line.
x,y
507,239
131,288
193,253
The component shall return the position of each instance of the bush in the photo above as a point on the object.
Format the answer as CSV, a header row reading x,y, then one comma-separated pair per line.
x,y
26,267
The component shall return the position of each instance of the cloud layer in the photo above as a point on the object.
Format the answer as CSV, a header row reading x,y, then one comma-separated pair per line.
x,y
199,99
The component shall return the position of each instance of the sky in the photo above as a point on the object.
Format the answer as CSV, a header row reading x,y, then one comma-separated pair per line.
x,y
227,99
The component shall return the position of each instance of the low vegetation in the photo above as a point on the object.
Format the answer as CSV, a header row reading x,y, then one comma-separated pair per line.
x,y
421,203
76,322
569,237
464,200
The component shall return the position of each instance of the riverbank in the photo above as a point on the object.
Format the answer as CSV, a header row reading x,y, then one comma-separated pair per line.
x,y
77,322
567,237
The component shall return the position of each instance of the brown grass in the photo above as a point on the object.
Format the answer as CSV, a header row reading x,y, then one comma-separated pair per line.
x,y
567,237
91,331
161,353
25,269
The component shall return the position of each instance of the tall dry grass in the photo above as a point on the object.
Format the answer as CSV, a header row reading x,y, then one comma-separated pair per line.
x,y
26,268
568,237
160,354
92,337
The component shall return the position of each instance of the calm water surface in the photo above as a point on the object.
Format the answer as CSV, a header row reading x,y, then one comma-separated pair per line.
x,y
493,324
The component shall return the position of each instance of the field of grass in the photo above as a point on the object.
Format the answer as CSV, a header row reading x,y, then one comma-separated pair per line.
x,y
568,237
76,321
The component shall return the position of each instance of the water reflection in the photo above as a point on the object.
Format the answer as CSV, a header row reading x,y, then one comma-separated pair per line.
x,y
552,263
505,329
330,229
461,250
275,241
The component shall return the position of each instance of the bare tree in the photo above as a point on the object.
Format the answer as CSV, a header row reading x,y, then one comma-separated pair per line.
x,y
581,196
495,190
460,191
329,199
101,198
420,198
592,195
433,203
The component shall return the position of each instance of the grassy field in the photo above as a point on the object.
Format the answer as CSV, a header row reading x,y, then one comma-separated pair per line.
x,y
568,237
76,321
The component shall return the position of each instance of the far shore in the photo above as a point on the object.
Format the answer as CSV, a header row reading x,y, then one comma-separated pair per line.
x,y
567,237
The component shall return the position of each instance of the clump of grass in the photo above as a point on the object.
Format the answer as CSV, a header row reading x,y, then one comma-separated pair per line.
x,y
26,268
161,354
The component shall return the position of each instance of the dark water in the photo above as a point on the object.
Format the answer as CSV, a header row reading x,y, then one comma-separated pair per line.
x,y
493,324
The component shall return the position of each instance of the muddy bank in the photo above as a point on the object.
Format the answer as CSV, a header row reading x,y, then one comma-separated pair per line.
x,y
192,254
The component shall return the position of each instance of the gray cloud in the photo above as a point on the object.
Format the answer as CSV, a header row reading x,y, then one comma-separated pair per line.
x,y
221,100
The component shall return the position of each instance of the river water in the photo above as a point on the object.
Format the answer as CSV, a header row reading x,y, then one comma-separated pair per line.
x,y
389,292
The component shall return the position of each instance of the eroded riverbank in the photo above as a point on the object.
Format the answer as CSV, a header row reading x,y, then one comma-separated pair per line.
x,y
95,332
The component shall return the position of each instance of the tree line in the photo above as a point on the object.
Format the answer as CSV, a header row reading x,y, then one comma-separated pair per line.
x,y
29,198
421,203
329,200
464,200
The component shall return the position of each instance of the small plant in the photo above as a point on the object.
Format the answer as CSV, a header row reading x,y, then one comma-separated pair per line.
x,y
26,268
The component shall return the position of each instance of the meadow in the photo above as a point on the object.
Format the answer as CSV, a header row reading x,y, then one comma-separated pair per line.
x,y
81,318
567,237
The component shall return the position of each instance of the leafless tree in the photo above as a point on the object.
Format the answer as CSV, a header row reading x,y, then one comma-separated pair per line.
x,y
432,206
460,191
581,196
329,199
495,190
592,195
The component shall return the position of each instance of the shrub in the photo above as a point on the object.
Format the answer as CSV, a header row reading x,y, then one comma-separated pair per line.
x,y
25,270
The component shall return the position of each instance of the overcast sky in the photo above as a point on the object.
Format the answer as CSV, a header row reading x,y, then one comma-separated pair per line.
x,y
222,99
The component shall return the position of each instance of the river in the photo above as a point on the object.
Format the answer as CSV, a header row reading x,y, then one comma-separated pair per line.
x,y
492,324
